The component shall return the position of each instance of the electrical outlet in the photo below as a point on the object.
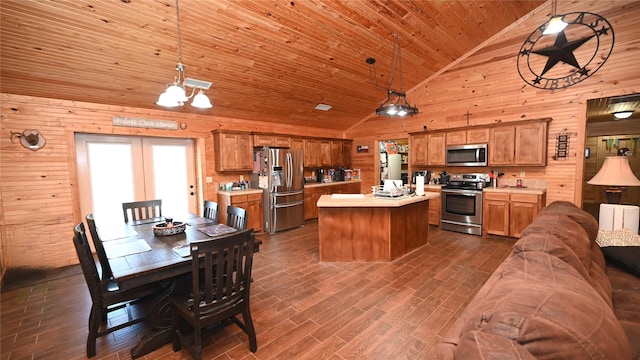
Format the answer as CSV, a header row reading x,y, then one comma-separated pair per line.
x,y
522,174
209,179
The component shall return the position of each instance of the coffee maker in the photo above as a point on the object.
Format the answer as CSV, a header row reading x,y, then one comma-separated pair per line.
x,y
320,175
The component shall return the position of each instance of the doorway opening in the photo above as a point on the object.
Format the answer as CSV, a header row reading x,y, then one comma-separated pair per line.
x,y
605,136
394,160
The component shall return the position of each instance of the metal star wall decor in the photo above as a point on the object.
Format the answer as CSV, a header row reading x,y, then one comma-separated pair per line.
x,y
564,59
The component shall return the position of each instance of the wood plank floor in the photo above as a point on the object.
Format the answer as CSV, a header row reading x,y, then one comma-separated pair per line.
x,y
302,309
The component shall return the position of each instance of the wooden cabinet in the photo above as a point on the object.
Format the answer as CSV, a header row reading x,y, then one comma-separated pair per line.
x,y
418,152
313,193
336,153
495,213
250,202
531,144
297,144
520,144
311,153
436,144
324,152
471,136
347,148
457,137
271,140
508,214
478,136
502,145
434,209
233,151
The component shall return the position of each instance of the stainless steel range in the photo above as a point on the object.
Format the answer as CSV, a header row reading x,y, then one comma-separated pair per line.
x,y
461,201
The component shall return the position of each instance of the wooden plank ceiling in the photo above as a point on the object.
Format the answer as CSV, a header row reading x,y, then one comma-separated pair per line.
x,y
268,60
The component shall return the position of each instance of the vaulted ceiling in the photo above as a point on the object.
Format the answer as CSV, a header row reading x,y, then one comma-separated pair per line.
x,y
268,60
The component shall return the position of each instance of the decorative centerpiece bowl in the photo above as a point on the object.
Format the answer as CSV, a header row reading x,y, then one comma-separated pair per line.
x,y
172,228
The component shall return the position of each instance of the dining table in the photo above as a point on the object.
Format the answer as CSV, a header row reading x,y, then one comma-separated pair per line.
x,y
138,257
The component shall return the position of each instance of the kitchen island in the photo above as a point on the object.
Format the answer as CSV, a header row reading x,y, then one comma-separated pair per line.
x,y
356,227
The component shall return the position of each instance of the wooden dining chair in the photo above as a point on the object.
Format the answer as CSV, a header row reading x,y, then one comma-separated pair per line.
x,y
236,217
142,210
211,210
221,278
106,297
97,244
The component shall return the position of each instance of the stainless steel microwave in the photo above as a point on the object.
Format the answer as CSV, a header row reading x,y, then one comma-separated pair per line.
x,y
467,155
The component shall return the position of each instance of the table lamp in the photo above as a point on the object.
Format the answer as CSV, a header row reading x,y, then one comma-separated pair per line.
x,y
616,175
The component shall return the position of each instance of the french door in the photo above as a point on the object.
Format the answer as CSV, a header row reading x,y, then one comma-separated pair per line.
x,y
115,169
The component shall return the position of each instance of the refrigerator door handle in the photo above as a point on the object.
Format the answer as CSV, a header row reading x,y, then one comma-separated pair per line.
x,y
289,170
288,204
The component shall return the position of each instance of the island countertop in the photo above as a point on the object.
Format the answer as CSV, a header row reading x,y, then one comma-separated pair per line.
x,y
368,200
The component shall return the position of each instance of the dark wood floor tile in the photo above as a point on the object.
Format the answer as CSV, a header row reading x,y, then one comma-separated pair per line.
x,y
357,346
302,309
280,345
324,350
360,324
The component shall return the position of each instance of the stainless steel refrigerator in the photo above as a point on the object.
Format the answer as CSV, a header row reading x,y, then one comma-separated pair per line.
x,y
279,172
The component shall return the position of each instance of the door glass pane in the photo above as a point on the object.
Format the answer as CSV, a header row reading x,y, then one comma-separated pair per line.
x,y
111,177
170,174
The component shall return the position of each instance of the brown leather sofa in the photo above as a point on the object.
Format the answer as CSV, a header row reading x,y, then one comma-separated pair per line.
x,y
551,298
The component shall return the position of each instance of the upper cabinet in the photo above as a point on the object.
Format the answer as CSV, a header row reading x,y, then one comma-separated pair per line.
x,y
464,137
502,145
436,143
233,151
523,144
324,153
297,144
520,143
271,140
311,153
418,146
531,144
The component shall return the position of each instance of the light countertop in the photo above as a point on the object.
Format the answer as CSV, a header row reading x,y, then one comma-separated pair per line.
x,y
318,184
516,190
240,192
368,200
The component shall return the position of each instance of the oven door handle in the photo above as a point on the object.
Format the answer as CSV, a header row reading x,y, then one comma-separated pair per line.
x,y
463,192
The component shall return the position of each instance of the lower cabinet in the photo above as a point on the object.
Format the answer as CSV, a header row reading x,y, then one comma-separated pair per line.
x,y
508,213
434,209
313,193
250,202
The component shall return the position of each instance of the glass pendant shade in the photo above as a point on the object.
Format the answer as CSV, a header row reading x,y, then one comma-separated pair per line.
x,y
167,100
177,92
201,101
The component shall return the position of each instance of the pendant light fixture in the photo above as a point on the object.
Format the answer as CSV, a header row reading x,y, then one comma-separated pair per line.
x,y
556,23
175,93
396,104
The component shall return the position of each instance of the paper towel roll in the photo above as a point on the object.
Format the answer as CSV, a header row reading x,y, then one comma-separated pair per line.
x,y
420,185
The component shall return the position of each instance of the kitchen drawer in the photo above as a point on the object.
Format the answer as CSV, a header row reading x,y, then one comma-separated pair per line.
x,y
235,199
525,198
500,196
254,197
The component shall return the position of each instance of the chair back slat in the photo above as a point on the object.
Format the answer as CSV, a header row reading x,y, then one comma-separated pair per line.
x,y
142,210
211,210
236,217
221,271
97,244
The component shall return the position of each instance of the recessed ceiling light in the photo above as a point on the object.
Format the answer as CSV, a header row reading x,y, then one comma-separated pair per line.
x,y
323,107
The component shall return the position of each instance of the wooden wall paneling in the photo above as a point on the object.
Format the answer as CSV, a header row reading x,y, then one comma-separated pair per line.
x,y
45,180
486,83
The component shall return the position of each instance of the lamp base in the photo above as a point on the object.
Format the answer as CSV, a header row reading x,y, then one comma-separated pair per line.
x,y
614,194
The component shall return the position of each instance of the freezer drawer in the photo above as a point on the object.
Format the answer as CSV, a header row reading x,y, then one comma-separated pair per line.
x,y
286,197
285,216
